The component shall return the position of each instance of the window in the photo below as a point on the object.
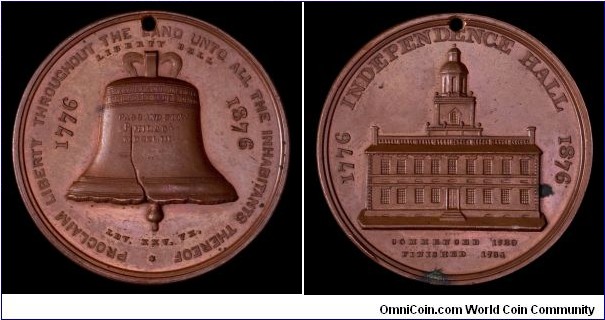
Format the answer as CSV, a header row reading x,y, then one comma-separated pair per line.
x,y
487,166
487,196
454,117
385,195
506,166
470,196
435,166
470,166
385,165
452,166
401,196
419,196
524,193
505,196
525,166
435,195
401,166
418,166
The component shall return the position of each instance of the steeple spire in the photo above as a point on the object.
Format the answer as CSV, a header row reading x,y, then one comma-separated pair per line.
x,y
453,74
454,109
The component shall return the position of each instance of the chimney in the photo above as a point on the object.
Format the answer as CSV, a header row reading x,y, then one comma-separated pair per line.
x,y
375,134
531,131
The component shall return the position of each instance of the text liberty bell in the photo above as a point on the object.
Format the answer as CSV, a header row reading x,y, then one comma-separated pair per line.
x,y
151,148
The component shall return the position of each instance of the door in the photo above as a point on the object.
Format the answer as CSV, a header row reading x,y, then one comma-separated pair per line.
x,y
453,199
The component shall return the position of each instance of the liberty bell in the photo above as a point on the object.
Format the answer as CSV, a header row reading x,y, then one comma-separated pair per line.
x,y
151,149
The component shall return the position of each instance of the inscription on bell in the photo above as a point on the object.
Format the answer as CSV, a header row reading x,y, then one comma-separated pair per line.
x,y
148,122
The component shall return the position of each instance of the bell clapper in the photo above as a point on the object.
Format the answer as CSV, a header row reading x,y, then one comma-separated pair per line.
x,y
155,214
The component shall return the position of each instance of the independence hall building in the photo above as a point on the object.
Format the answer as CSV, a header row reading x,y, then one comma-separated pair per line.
x,y
453,177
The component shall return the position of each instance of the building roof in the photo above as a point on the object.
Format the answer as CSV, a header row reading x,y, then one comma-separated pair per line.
x,y
454,67
428,148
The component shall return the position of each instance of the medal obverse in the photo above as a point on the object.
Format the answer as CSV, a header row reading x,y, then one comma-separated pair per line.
x,y
149,116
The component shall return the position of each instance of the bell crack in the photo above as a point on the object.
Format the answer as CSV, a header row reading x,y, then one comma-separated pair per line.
x,y
154,212
136,171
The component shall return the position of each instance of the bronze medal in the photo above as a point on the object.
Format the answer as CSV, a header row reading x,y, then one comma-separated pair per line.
x,y
150,147
454,149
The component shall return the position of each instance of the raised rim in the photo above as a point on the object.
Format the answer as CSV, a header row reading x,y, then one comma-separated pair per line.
x,y
89,262
442,20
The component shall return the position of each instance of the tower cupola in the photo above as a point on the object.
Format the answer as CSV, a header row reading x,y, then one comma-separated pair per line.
x,y
453,74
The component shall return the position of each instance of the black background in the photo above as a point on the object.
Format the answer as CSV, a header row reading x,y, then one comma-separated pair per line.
x,y
271,263
334,32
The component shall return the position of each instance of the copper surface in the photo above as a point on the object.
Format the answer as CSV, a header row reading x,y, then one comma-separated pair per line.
x,y
454,157
150,147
